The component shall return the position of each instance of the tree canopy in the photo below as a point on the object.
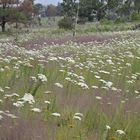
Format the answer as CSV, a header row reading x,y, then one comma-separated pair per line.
x,y
14,11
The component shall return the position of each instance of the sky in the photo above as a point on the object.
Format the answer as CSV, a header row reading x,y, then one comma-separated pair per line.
x,y
46,2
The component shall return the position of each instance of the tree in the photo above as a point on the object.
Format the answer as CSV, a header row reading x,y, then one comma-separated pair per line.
x,y
7,12
14,11
59,9
112,4
126,8
27,8
137,5
51,10
88,8
38,8
69,8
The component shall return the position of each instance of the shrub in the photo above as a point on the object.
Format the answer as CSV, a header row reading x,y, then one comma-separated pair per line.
x,y
120,20
105,21
82,20
135,16
66,23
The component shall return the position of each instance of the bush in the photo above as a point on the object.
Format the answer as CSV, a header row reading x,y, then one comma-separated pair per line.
x,y
120,20
82,20
105,21
135,16
66,23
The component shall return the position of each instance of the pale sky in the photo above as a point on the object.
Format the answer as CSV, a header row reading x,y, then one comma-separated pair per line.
x,y
46,2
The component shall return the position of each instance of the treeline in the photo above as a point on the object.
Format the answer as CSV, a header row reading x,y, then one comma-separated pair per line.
x,y
110,9
82,11
93,9
73,11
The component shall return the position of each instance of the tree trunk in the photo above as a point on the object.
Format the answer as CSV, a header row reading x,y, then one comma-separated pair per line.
x,y
3,19
3,26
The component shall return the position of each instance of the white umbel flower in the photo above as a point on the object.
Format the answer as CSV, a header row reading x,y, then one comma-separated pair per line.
x,y
28,98
83,85
36,110
47,102
77,118
56,114
42,78
78,114
109,84
98,98
18,104
58,85
108,127
121,132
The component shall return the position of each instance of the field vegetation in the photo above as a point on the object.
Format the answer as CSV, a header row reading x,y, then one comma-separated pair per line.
x,y
80,89
71,71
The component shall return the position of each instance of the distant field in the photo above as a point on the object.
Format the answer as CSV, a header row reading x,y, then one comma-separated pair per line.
x,y
82,88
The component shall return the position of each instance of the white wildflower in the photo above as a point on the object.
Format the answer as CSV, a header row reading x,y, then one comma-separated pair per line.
x,y
83,85
95,87
77,118
11,116
48,92
42,78
56,114
47,102
114,89
136,91
98,77
98,98
36,110
33,78
18,104
78,114
1,101
28,98
109,62
58,85
128,64
121,132
108,127
1,90
11,95
109,84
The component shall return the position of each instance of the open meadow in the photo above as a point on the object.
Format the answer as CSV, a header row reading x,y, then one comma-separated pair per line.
x,y
70,88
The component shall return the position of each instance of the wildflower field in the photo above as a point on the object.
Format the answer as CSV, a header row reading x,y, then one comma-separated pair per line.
x,y
76,90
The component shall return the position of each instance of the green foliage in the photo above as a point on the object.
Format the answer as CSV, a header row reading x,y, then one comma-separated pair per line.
x,y
38,8
112,4
51,10
88,6
105,21
69,7
137,5
135,16
10,14
82,20
66,23
120,20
